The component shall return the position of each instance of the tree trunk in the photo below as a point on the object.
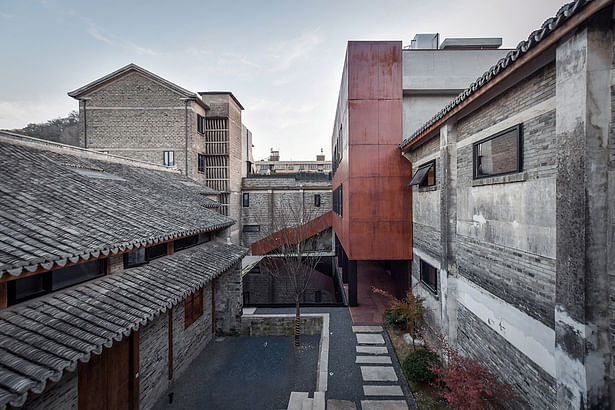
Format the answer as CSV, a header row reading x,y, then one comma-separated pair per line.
x,y
297,323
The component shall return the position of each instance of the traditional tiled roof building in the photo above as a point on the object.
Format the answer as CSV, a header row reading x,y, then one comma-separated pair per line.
x,y
111,277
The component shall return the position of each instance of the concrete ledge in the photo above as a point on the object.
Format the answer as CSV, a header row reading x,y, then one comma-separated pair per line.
x,y
284,325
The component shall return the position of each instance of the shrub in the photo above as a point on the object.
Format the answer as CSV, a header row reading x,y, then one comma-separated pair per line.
x,y
418,364
405,314
466,384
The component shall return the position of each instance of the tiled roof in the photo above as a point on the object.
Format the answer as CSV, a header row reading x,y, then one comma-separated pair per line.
x,y
42,338
60,205
564,13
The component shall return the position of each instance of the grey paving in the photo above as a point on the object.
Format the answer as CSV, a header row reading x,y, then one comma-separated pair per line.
x,y
378,374
372,349
373,359
369,338
379,390
240,373
367,329
384,405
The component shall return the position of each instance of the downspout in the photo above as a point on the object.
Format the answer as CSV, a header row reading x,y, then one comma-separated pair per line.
x,y
186,145
85,125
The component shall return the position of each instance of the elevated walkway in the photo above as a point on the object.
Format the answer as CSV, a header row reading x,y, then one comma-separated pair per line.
x,y
293,235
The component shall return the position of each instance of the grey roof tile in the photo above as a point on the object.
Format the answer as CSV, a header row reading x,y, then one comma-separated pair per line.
x,y
42,338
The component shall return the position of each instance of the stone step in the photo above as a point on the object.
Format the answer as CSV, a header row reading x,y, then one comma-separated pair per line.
x,y
367,329
296,400
307,404
373,359
319,401
369,339
384,405
382,391
333,404
378,374
372,349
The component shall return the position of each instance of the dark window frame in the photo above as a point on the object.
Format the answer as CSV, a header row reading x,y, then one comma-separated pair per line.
x,y
424,274
127,264
475,157
251,228
245,200
200,124
201,163
421,177
317,200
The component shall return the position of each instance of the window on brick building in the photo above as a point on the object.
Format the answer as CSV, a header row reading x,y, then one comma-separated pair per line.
x,y
201,163
135,258
313,166
186,242
200,124
425,175
317,200
193,308
498,154
246,200
429,276
156,251
251,228
169,158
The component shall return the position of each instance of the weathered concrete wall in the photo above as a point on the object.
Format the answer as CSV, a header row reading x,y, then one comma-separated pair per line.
x,y
153,361
228,301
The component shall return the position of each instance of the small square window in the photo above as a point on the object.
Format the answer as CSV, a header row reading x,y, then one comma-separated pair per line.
x,y
169,158
429,276
425,175
201,163
317,200
246,199
251,228
499,154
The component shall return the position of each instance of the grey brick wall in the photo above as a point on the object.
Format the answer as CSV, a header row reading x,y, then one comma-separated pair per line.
x,y
478,341
153,361
228,300
426,239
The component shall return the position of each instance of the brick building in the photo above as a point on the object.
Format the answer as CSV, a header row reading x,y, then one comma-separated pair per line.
x,y
137,114
384,90
109,285
273,165
513,213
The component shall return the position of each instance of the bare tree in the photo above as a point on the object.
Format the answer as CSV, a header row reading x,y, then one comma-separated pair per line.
x,y
295,254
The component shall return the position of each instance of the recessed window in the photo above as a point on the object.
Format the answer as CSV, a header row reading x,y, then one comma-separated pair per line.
x,y
317,200
20,290
429,276
186,242
317,296
425,175
313,166
193,308
246,199
156,251
200,124
201,162
135,258
338,200
169,158
251,228
499,154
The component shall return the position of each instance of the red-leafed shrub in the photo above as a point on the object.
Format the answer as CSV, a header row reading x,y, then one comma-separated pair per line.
x,y
466,384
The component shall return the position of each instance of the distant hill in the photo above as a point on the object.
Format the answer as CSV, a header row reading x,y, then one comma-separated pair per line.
x,y
62,130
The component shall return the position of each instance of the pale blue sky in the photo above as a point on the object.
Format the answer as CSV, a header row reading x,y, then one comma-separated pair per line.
x,y
281,59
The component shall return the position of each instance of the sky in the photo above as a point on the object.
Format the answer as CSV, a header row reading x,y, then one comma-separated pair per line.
x,y
283,60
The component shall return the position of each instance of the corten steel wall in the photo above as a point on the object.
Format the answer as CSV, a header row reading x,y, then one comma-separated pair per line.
x,y
377,215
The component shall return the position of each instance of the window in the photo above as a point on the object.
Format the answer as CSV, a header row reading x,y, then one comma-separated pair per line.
x,y
317,296
338,200
313,166
246,298
193,308
317,200
201,160
279,166
251,228
301,167
203,237
200,124
264,167
135,258
169,158
425,175
429,276
290,166
327,166
156,251
20,290
186,242
499,154
246,199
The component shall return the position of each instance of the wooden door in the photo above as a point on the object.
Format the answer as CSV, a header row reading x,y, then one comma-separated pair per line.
x,y
107,381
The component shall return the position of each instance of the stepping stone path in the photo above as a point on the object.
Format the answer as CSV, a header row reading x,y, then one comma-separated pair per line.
x,y
379,378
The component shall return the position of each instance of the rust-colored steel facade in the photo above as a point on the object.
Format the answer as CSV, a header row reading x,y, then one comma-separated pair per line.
x,y
376,220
